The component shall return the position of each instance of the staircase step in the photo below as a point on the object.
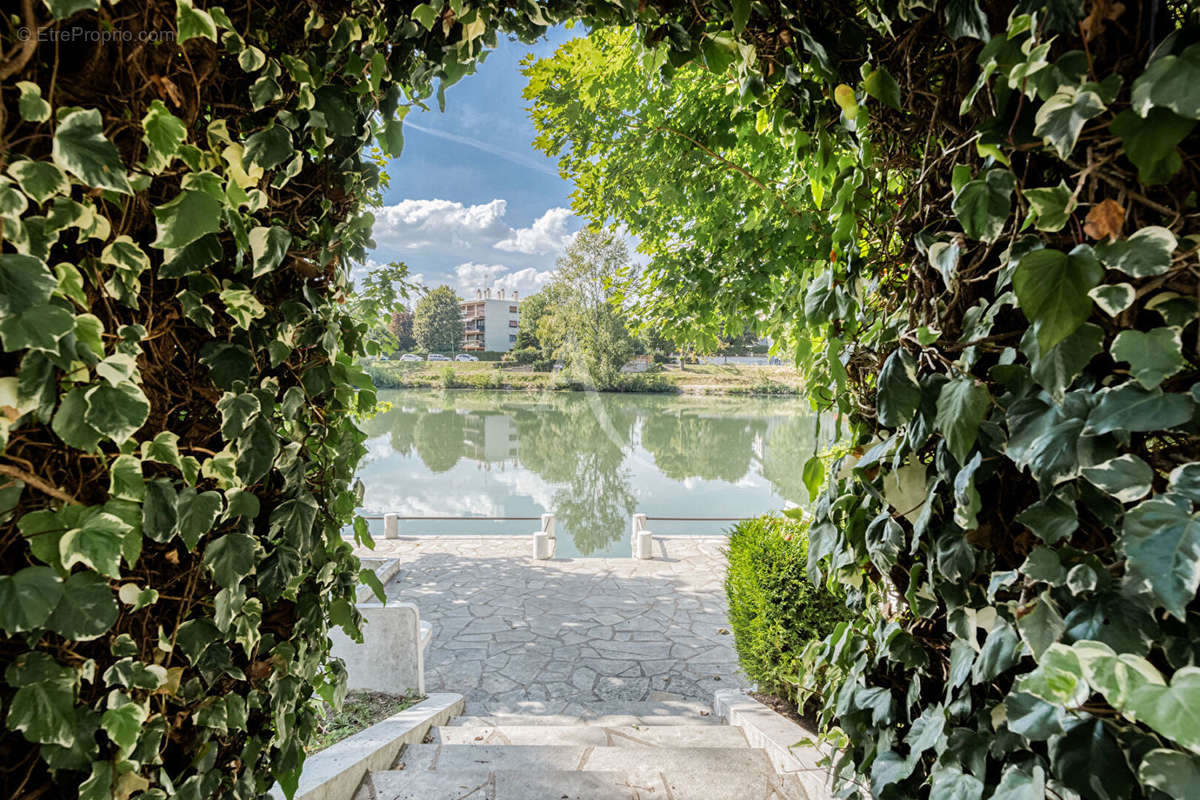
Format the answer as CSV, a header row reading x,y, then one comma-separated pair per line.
x,y
595,735
667,712
507,785
699,772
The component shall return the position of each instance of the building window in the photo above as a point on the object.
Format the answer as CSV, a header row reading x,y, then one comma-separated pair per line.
x,y
512,309
512,323
512,337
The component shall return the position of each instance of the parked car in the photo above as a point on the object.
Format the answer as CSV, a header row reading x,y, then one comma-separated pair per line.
x,y
465,357
437,357
411,357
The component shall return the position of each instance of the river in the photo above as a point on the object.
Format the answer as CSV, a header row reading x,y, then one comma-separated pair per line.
x,y
590,459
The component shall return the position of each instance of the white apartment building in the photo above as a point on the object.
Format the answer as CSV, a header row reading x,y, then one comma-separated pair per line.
x,y
491,321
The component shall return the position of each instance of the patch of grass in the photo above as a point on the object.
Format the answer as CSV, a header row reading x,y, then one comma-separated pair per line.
x,y
360,711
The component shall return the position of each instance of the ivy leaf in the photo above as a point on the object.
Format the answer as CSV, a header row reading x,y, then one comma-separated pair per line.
x,y
36,328
125,481
1042,626
999,652
961,405
1057,679
1174,710
123,725
1136,409
41,180
1171,82
1173,773
81,149
1126,477
96,545
269,246
1052,291
883,87
116,411
899,393
269,147
1052,206
964,18
1152,144
24,282
98,785
1153,356
257,448
43,709
31,106
61,9
1052,519
69,423
27,598
1185,479
1161,542
163,132
1032,717
1058,369
237,411
87,609
197,515
948,783
228,362
1090,760
160,510
1143,255
192,22
1113,297
1060,119
984,205
230,558
193,213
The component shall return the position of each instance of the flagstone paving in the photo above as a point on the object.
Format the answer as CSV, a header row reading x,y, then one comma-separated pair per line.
x,y
566,636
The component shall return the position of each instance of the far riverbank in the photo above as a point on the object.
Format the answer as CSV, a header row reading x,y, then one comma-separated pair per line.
x,y
691,379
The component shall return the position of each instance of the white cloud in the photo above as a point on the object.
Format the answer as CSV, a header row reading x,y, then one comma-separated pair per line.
x,y
470,276
413,224
547,234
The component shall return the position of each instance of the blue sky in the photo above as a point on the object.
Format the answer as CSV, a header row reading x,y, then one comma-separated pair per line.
x,y
471,203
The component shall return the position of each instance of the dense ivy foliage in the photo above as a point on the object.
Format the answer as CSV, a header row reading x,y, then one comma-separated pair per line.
x,y
774,610
995,283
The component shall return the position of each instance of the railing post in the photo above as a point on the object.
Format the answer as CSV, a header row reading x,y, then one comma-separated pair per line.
x,y
642,539
543,539
391,526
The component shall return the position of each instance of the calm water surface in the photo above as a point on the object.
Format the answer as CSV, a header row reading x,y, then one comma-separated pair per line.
x,y
590,459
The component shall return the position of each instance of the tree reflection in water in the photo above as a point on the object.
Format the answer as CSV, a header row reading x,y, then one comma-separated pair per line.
x,y
588,447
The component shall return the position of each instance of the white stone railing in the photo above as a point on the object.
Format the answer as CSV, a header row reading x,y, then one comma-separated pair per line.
x,y
642,539
543,539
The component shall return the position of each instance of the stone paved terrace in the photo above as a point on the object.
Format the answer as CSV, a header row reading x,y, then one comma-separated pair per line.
x,y
566,636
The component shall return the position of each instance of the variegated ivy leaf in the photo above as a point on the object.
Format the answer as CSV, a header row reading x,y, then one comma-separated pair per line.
x,y
31,105
41,180
1113,297
192,22
242,305
81,148
163,133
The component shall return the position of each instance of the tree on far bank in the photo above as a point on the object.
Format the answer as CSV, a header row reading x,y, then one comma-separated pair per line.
x,y
585,320
401,327
437,321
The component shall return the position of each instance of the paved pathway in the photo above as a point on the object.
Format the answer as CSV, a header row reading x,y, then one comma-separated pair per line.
x,y
567,635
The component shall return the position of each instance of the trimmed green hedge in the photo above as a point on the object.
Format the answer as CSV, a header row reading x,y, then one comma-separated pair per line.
x,y
774,610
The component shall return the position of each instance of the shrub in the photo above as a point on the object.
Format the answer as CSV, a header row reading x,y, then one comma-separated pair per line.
x,y
526,355
449,378
774,610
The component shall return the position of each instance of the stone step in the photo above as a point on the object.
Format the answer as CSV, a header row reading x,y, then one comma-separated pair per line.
x,y
504,785
663,712
595,735
695,773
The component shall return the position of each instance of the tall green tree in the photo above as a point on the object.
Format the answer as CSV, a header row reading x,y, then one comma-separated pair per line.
x,y
585,321
533,309
437,321
401,328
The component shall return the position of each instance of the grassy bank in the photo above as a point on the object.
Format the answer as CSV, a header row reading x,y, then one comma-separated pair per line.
x,y
691,379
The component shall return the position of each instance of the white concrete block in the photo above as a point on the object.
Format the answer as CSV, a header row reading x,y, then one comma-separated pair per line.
x,y
643,545
781,739
391,657
543,545
391,526
336,772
